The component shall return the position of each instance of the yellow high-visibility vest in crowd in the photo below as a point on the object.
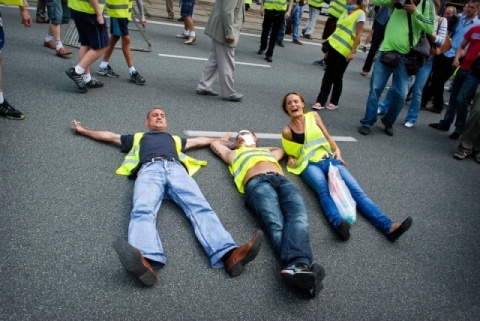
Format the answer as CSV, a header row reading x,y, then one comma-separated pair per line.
x,y
85,6
120,8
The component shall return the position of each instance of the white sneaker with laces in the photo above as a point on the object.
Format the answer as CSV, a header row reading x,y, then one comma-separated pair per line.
x,y
408,124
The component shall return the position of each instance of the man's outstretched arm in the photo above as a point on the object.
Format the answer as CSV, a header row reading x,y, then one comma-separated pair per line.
x,y
100,135
224,149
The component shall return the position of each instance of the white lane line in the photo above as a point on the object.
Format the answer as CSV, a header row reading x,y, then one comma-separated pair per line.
x,y
205,59
259,135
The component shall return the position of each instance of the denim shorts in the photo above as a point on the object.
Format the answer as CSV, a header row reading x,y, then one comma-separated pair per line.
x,y
90,33
186,10
58,11
119,27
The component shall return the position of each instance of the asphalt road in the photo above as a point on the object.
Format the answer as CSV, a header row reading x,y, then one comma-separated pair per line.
x,y
62,205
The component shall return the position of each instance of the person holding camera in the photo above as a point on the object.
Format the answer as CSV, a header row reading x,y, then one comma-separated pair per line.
x,y
393,56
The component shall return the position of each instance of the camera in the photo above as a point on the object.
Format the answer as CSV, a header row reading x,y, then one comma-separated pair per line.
x,y
400,3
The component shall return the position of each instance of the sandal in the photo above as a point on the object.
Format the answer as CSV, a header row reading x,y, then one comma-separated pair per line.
x,y
318,106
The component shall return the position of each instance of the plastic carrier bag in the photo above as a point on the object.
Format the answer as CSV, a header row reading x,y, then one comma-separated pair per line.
x,y
341,195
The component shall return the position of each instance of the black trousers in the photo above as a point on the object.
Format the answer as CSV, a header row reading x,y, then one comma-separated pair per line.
x,y
272,21
333,77
442,70
377,38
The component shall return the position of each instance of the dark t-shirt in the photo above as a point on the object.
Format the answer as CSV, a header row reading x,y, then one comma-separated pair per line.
x,y
153,144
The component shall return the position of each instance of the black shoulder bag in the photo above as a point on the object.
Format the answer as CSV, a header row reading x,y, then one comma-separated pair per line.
x,y
420,53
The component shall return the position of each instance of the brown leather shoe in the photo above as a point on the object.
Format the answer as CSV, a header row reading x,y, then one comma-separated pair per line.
x,y
134,262
190,40
244,254
297,42
62,52
50,44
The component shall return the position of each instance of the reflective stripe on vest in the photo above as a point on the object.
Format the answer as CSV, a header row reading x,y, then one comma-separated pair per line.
x,y
85,6
337,7
120,8
315,4
315,148
13,2
132,159
245,158
279,5
344,36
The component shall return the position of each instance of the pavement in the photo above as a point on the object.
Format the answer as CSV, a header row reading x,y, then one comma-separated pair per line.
x,y
62,205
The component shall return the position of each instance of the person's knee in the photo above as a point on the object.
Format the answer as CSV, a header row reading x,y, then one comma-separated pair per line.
x,y
125,40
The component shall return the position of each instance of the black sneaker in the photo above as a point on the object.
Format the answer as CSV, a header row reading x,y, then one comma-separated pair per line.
x,y
303,276
94,83
321,63
136,78
7,111
107,72
77,79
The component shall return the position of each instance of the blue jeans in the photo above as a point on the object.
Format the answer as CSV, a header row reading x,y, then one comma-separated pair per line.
x,y
463,87
169,180
316,176
313,14
417,89
296,17
380,75
278,203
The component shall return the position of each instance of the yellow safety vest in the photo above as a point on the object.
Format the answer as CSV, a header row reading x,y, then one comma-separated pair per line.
x,y
279,5
85,6
336,8
315,148
317,4
13,2
132,160
344,36
120,8
245,158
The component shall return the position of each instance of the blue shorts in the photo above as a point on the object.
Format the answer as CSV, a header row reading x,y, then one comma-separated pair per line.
x,y
58,11
119,27
90,33
2,33
186,10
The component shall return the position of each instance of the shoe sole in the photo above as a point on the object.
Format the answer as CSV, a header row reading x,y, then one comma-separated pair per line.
x,y
132,262
238,268
138,83
206,93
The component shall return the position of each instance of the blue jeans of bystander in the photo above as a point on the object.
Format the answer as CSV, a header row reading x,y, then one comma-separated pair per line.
x,y
381,74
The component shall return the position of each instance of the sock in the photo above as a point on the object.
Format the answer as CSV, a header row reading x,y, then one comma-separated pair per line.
x,y
48,37
131,70
58,44
104,64
186,32
192,33
1,97
79,70
87,77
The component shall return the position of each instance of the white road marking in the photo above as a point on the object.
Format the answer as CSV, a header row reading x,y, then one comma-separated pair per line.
x,y
205,59
196,133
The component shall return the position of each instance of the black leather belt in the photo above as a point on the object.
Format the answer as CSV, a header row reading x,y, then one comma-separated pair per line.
x,y
161,159
263,174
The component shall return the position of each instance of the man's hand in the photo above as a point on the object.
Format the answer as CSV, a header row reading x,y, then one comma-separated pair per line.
x,y
100,19
410,7
292,161
77,127
26,19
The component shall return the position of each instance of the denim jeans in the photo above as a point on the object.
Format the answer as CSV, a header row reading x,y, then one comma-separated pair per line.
x,y
417,89
278,203
169,180
381,74
296,17
463,87
316,176
313,14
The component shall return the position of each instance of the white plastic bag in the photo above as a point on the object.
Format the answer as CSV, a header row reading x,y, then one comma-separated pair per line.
x,y
341,195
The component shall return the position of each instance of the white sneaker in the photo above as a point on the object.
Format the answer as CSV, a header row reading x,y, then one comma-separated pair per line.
x,y
379,111
332,106
408,124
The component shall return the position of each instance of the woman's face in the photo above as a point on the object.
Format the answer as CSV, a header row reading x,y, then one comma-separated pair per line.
x,y
295,105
